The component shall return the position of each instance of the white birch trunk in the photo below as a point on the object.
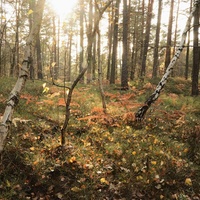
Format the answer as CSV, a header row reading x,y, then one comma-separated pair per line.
x,y
23,74
141,112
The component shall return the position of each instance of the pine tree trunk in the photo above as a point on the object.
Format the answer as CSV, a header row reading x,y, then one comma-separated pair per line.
x,y
124,75
169,35
115,43
39,58
188,50
147,36
196,54
81,38
155,54
110,37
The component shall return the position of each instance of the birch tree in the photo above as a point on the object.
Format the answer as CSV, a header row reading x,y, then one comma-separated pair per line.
x,y
142,110
23,74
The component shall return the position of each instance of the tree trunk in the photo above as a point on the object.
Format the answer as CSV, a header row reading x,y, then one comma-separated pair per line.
x,y
110,37
196,59
90,39
115,43
54,51
147,36
23,74
125,55
39,58
169,36
100,76
81,38
141,112
188,50
155,54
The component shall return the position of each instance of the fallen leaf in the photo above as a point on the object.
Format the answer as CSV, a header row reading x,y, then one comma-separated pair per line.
x,y
103,180
188,181
75,189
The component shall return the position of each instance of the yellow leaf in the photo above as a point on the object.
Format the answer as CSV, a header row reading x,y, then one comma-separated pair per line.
x,y
134,153
8,183
75,189
30,12
139,178
32,148
53,64
188,181
72,159
161,196
103,180
153,162
155,141
185,150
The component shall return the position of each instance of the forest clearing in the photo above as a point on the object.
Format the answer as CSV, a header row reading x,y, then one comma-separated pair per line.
x,y
106,156
99,99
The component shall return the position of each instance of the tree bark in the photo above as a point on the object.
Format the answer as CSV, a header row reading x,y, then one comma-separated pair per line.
x,y
141,112
81,37
196,59
147,36
39,58
125,55
169,36
100,76
23,74
115,43
155,54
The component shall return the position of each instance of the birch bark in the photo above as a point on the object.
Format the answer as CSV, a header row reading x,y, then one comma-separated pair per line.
x,y
141,112
13,99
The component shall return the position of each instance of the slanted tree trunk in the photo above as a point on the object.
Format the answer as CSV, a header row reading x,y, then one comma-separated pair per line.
x,y
141,112
23,74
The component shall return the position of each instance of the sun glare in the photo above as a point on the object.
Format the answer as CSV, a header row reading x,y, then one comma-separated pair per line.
x,y
62,7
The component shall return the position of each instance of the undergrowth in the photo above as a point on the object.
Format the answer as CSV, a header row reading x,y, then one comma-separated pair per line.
x,y
107,156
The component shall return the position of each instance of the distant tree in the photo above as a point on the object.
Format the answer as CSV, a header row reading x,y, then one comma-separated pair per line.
x,y
115,42
39,58
169,36
90,40
156,45
196,53
147,37
81,54
110,38
15,62
125,55
188,49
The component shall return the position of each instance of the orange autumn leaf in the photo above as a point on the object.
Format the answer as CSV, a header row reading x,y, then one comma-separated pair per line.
x,y
61,102
49,102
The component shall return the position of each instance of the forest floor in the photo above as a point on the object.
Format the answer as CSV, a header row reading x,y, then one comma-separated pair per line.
x,y
106,156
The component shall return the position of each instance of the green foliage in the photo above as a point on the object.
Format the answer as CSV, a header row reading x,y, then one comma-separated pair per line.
x,y
107,156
